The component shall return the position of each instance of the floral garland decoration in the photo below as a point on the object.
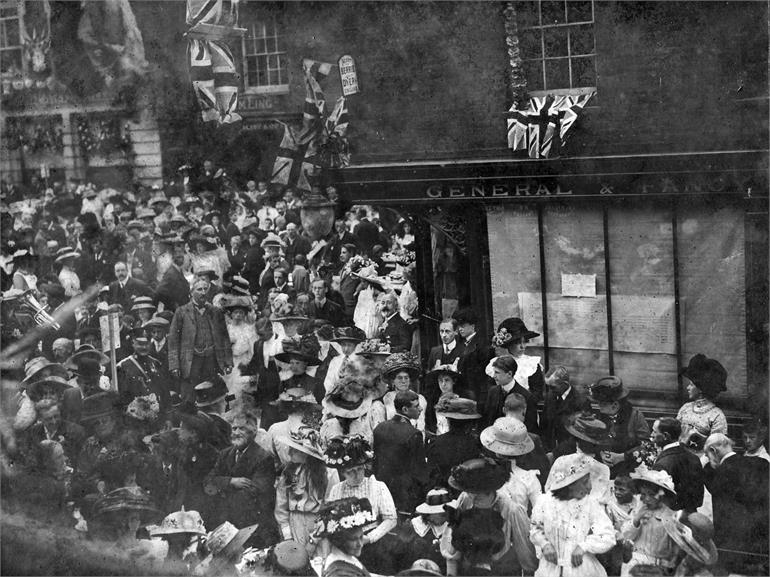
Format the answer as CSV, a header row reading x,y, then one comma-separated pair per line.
x,y
39,135
106,139
517,78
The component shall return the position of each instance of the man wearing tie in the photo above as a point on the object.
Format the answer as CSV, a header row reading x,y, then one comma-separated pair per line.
x,y
450,348
124,289
394,330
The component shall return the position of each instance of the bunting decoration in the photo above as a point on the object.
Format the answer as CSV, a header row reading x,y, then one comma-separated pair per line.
x,y
212,65
543,127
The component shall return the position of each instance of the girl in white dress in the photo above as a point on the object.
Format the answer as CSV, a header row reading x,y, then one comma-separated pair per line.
x,y
243,336
569,527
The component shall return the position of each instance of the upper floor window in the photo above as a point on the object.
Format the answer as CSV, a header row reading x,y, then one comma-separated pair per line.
x,y
556,38
11,56
264,57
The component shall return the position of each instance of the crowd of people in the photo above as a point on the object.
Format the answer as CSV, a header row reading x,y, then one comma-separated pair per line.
x,y
201,379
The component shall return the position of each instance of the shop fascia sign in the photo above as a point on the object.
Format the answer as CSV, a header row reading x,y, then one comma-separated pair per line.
x,y
578,185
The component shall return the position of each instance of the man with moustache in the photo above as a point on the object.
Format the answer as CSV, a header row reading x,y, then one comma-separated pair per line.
x,y
394,330
173,290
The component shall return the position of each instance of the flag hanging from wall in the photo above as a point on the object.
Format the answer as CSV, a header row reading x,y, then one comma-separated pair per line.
x,y
544,126
334,150
212,65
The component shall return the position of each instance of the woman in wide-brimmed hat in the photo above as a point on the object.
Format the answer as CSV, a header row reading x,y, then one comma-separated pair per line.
x,y
243,336
225,546
704,379
302,486
299,354
647,527
402,373
481,482
351,456
208,255
439,381
123,511
182,530
300,408
348,339
569,527
511,338
460,443
627,427
342,522
68,278
143,308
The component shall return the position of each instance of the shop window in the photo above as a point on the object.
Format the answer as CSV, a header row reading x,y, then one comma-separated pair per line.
x,y
264,57
557,45
11,57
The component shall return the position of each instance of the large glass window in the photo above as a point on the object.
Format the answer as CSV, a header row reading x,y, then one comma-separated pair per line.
x,y
11,58
264,57
557,45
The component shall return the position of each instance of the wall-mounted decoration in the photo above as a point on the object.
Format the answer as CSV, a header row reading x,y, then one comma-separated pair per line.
x,y
35,134
103,135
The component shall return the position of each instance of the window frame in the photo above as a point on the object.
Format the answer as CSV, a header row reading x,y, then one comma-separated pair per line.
x,y
6,4
542,59
263,21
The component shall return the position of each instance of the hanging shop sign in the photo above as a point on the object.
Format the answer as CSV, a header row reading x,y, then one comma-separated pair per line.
x,y
348,75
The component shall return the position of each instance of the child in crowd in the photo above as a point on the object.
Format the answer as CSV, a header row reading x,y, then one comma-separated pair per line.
x,y
647,526
620,507
754,439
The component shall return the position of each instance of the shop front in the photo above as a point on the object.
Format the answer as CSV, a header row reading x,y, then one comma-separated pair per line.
x,y
625,265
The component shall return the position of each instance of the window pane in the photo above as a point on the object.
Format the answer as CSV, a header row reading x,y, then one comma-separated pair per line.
x,y
583,72
272,61
251,70
527,15
10,60
553,12
555,41
272,44
530,44
579,11
261,46
534,71
557,74
581,40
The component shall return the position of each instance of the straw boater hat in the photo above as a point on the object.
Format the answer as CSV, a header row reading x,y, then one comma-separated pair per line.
x,y
567,469
345,452
343,514
401,362
694,536
607,390
140,303
145,213
180,522
210,392
479,475
452,406
226,540
434,502
658,478
707,374
272,240
348,334
306,349
66,252
588,428
507,437
128,500
306,440
157,322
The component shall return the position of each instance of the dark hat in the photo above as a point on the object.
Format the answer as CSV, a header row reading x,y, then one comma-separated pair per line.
x,y
41,368
588,428
607,390
86,352
512,329
140,333
37,388
466,316
237,302
351,247
240,285
88,366
345,452
350,334
323,329
479,475
306,349
451,406
99,405
207,272
210,392
401,362
52,290
707,374
87,331
168,315
128,499
157,322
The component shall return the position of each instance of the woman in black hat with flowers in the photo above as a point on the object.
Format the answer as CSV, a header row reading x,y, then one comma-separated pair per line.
x,y
704,379
342,522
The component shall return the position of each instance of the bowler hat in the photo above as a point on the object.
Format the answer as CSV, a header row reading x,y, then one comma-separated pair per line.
x,y
607,390
707,374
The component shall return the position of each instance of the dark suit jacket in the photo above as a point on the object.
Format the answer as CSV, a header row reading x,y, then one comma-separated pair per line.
x,y
473,364
739,489
237,260
299,245
437,354
449,450
330,311
686,471
243,507
141,260
173,290
397,333
493,408
399,461
138,377
124,297
181,338
348,286
336,243
367,234
556,412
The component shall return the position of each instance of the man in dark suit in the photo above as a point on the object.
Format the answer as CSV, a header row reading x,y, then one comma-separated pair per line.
x,y
399,453
236,254
295,244
475,356
366,232
739,491
241,485
450,349
174,290
340,238
562,400
504,368
140,374
198,342
323,308
50,425
679,462
394,330
124,289
137,258
348,282
96,264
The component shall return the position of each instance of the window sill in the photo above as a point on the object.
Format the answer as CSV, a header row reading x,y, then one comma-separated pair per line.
x,y
267,90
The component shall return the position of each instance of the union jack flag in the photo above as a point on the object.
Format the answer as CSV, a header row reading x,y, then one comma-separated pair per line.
x,y
334,150
543,126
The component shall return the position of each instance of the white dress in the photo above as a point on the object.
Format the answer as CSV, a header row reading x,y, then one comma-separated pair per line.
x,y
242,338
566,525
365,316
523,487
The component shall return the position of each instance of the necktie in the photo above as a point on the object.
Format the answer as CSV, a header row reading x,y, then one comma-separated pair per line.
x,y
446,350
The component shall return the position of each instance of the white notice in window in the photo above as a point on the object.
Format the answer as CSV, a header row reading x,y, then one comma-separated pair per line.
x,y
578,285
